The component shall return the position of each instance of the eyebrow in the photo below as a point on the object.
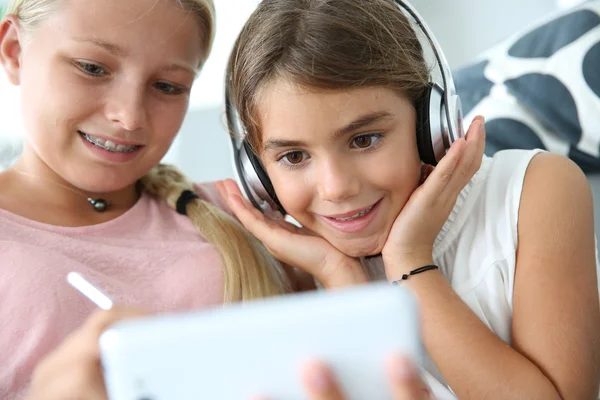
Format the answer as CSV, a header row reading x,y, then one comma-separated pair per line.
x,y
110,47
362,122
118,51
181,67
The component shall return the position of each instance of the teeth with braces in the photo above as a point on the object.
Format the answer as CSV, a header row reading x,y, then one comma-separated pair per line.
x,y
108,145
360,214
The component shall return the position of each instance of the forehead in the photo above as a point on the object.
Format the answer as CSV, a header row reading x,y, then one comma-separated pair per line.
x,y
135,25
288,111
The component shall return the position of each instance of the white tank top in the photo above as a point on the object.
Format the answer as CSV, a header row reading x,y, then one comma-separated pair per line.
x,y
476,248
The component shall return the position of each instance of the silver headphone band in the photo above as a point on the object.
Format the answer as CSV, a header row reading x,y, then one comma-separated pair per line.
x,y
449,87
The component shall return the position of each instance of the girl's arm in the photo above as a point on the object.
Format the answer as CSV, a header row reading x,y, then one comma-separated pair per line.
x,y
556,313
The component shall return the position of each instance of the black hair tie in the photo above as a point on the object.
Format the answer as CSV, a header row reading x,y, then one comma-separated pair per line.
x,y
184,198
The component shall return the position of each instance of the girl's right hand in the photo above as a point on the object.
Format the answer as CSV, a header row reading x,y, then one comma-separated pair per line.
x,y
292,245
404,380
73,370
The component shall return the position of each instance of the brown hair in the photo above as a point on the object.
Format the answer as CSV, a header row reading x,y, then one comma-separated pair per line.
x,y
324,45
249,271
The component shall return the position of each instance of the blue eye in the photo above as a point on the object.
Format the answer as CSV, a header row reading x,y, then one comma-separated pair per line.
x,y
168,88
365,141
91,68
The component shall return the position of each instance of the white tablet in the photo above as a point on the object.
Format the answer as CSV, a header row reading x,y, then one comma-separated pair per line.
x,y
240,351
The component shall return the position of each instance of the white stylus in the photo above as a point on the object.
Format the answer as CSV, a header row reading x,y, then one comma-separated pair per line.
x,y
89,290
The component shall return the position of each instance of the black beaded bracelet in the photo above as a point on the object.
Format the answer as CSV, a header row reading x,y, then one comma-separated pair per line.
x,y
415,272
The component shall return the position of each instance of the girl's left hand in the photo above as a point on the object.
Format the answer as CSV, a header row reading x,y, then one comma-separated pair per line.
x,y
410,242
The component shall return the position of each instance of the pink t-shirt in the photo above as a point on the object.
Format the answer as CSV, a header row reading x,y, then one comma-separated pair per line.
x,y
150,258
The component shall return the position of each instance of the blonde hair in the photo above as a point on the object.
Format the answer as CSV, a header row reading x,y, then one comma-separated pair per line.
x,y
32,12
249,271
324,45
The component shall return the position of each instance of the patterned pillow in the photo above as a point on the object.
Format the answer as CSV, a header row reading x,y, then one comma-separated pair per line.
x,y
541,88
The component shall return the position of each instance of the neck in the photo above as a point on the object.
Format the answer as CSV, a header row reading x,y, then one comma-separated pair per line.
x,y
38,181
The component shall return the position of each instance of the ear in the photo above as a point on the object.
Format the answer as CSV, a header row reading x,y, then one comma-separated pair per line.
x,y
11,44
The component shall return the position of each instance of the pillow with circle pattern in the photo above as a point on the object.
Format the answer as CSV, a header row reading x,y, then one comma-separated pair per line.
x,y
541,88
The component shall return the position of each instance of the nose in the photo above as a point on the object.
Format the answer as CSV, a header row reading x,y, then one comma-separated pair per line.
x,y
338,180
127,107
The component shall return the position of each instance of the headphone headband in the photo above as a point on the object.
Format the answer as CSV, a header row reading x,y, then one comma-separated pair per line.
x,y
455,129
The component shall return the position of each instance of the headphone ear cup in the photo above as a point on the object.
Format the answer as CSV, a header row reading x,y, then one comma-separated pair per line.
x,y
267,186
424,128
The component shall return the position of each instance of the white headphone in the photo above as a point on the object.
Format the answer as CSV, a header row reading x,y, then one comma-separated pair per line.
x,y
439,124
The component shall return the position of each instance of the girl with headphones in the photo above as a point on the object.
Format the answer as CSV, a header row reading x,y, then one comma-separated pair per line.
x,y
337,124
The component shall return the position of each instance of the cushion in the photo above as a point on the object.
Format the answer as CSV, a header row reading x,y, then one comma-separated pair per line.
x,y
540,88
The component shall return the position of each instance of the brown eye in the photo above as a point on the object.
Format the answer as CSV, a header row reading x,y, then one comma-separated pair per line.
x,y
362,142
294,157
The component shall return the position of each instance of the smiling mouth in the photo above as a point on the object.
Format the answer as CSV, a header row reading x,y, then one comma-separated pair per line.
x,y
109,145
358,215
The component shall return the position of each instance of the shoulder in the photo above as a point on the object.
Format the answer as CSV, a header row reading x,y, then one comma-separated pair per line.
x,y
492,198
501,176
541,188
504,195
555,186
556,204
511,165
536,174
207,191
555,174
539,170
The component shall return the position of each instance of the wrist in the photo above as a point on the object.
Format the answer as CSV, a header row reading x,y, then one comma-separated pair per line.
x,y
396,267
349,273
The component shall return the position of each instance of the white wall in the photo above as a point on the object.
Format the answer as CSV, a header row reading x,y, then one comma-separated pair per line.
x,y
463,27
201,149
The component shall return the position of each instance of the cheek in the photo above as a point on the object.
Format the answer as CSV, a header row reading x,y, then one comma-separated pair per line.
x,y
293,192
397,172
53,98
399,180
165,121
396,177
166,118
